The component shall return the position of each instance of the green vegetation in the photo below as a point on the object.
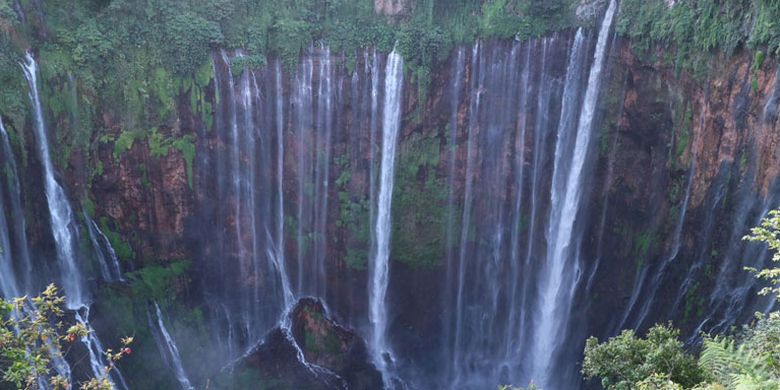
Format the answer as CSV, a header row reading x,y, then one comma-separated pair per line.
x,y
160,147
695,30
419,204
683,135
32,339
626,360
159,283
317,338
354,218
129,63
125,141
123,250
748,359
768,232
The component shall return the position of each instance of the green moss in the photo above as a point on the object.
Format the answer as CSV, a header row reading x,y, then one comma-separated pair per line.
x,y
694,30
89,206
353,218
419,204
186,146
159,146
157,282
642,244
144,176
123,250
125,141
97,169
163,89
684,134
692,302
310,341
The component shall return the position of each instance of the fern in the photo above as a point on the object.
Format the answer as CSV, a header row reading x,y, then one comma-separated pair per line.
x,y
737,367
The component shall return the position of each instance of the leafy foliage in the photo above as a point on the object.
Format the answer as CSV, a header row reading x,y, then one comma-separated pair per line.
x,y
737,366
625,361
32,336
748,360
694,30
157,282
768,232
419,213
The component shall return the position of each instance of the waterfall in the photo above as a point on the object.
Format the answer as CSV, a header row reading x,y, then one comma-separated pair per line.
x,y
62,223
457,85
248,290
312,101
373,141
168,350
97,360
516,320
665,264
561,270
108,262
9,287
569,158
279,253
15,249
380,267
10,251
65,233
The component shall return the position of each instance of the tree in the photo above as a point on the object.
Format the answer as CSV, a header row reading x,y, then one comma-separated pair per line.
x,y
768,232
626,361
32,338
749,360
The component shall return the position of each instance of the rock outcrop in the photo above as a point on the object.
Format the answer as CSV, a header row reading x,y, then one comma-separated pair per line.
x,y
334,356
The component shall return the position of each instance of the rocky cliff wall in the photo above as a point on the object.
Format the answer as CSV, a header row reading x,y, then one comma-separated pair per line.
x,y
684,167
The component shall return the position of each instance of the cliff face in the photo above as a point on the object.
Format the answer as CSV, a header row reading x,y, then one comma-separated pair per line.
x,y
680,169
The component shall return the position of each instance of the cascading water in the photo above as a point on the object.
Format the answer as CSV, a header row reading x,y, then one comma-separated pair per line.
x,y
17,266
486,339
248,291
168,350
279,256
515,134
62,223
107,259
65,232
510,287
457,85
312,104
380,267
96,352
559,274
250,130
659,274
8,283
11,285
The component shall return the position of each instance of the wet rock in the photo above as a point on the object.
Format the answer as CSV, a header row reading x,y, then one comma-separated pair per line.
x,y
334,356
329,345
